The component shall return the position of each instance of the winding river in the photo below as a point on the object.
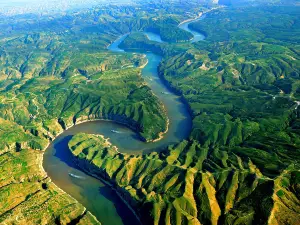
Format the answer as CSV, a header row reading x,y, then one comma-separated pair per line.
x,y
197,36
97,197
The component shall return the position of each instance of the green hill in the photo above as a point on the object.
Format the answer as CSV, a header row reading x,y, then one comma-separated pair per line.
x,y
189,184
240,164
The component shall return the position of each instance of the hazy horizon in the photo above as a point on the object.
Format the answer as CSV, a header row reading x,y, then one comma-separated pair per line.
x,y
36,6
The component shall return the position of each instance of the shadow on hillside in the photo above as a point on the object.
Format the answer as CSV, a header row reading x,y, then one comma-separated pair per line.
x,y
123,211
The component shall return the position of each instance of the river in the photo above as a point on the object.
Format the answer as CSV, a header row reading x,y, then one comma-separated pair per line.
x,y
197,36
98,198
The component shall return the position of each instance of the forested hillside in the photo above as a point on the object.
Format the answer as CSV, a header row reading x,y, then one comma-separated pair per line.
x,y
240,164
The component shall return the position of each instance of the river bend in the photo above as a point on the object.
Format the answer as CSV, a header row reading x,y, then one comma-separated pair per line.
x,y
97,197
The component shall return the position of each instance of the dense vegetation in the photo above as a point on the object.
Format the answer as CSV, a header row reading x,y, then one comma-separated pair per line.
x,y
190,184
55,73
48,81
241,162
240,91
241,165
171,33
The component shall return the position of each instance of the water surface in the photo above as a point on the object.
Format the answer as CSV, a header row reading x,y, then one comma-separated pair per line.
x,y
153,36
197,35
97,197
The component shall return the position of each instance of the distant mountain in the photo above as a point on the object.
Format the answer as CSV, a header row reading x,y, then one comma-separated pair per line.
x,y
243,2
18,7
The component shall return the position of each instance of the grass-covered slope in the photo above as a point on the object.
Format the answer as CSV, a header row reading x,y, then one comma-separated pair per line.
x,y
48,80
226,93
58,55
36,110
189,184
171,33
55,73
241,91
268,24
27,195
241,165
244,93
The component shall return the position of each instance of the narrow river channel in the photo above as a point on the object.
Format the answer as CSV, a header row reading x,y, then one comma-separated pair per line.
x,y
98,198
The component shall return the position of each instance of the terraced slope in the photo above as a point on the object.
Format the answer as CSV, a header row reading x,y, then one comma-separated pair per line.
x,y
36,108
29,197
190,184
75,86
244,93
57,73
240,92
241,164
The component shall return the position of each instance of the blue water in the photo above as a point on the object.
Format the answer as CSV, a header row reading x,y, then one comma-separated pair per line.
x,y
98,198
197,36
154,37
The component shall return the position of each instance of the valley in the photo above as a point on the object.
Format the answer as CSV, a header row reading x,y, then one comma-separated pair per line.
x,y
57,157
156,127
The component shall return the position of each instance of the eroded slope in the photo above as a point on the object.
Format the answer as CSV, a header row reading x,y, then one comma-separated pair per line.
x,y
190,184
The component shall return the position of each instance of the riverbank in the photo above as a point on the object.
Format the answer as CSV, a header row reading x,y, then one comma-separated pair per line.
x,y
133,125
161,134
176,91
47,177
144,65
119,191
201,14
87,167
83,120
190,20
